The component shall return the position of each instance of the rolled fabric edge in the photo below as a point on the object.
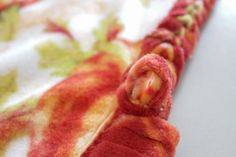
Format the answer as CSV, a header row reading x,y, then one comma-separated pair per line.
x,y
160,100
135,136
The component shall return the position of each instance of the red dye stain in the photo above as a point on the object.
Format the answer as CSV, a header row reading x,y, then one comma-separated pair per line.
x,y
75,97
113,32
14,124
96,58
57,28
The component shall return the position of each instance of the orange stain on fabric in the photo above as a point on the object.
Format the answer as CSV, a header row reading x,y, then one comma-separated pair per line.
x,y
61,116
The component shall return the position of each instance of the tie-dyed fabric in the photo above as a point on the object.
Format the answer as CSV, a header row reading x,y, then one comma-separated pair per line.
x,y
69,71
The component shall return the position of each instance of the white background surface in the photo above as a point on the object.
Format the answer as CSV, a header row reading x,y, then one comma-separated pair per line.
x,y
205,101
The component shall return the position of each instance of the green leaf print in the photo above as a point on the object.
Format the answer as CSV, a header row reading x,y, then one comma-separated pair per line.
x,y
28,103
9,19
109,47
145,3
101,35
62,59
108,26
8,85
